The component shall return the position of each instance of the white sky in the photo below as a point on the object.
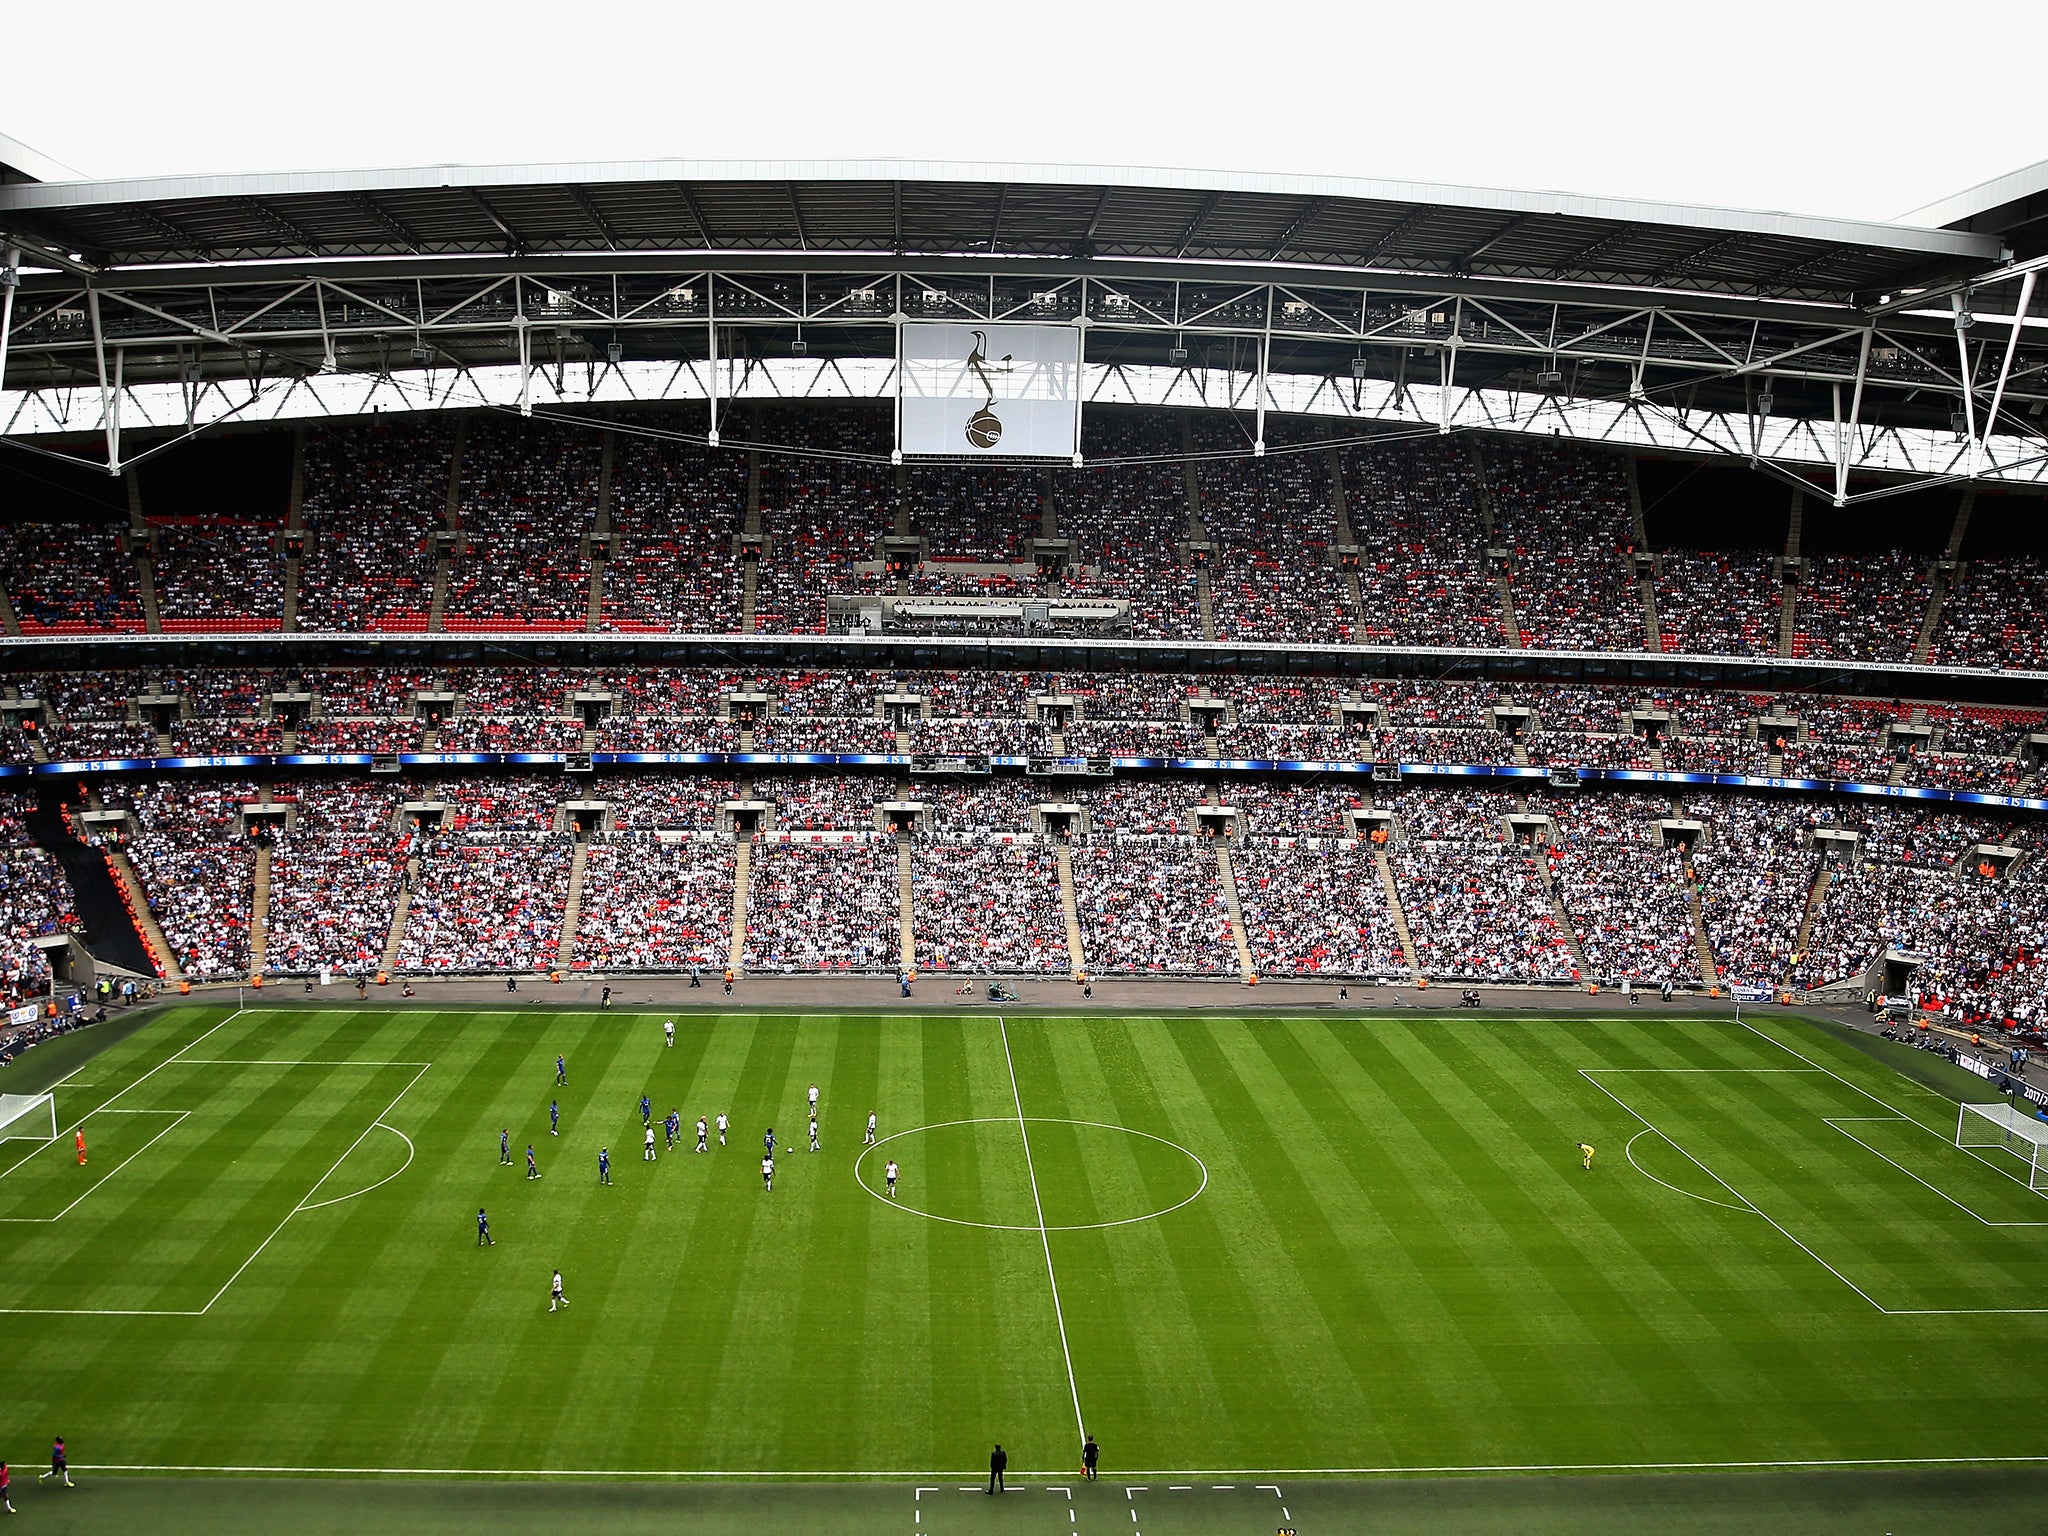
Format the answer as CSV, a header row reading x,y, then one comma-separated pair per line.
x,y
1862,110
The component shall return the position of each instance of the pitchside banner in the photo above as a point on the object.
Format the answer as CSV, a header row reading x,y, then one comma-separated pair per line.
x,y
1007,391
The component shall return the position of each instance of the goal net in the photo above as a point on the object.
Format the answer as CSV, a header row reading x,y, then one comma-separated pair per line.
x,y
2011,1127
28,1117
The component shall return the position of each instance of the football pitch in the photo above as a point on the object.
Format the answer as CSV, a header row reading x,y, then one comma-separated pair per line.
x,y
1243,1253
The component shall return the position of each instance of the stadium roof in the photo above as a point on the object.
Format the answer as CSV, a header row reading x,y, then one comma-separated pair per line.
x,y
1843,345
940,209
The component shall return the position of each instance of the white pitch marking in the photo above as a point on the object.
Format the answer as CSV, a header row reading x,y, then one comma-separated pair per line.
x,y
1006,1226
176,1115
1738,1194
354,1193
152,1072
1629,1152
388,1108
1045,1241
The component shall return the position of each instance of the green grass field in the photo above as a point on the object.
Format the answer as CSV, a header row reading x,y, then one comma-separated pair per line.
x,y
1268,1249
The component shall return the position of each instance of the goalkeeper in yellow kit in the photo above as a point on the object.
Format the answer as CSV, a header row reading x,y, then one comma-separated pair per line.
x,y
1585,1154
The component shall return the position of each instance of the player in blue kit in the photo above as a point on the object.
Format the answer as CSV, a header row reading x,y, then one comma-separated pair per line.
x,y
604,1165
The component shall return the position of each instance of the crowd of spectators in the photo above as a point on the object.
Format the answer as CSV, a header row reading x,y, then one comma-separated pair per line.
x,y
375,494
1755,877
219,573
974,736
984,514
654,905
817,802
1124,738
822,514
662,801
69,578
508,803
335,877
825,734
511,733
1128,520
956,809
527,497
987,906
1479,914
35,901
197,866
677,511
71,741
1995,614
1423,578
1273,527
1630,906
1562,512
824,907
360,736
1315,912
1154,907
667,733
484,905
1718,602
1860,607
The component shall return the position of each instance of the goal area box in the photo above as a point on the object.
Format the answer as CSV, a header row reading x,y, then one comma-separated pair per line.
x,y
28,1117
2010,1126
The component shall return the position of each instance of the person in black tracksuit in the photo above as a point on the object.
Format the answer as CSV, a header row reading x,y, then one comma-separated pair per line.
x,y
998,1459
1090,1454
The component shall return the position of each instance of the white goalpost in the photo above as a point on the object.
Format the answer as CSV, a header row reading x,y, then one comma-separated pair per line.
x,y
2010,1127
28,1117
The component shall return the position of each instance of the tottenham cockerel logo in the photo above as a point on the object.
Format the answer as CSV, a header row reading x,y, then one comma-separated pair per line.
x,y
985,427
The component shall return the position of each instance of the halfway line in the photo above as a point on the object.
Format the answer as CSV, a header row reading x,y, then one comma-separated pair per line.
x,y
1080,1424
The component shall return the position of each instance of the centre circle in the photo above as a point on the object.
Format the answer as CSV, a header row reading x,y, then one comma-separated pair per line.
x,y
1087,1175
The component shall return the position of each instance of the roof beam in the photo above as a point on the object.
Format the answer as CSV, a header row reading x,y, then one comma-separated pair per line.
x,y
1095,223
588,209
279,222
1284,241
995,231
1575,262
688,197
1403,226
182,239
389,223
1465,258
516,246
796,211
1187,236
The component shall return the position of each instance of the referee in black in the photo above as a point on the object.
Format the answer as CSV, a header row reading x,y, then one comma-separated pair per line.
x,y
998,1459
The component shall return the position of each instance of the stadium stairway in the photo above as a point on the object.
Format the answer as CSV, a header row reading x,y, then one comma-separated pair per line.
x,y
572,907
750,570
1393,894
138,547
1228,875
259,912
294,522
1557,911
905,904
388,961
123,872
1816,898
1070,909
600,548
8,620
1510,626
110,933
736,945
1937,595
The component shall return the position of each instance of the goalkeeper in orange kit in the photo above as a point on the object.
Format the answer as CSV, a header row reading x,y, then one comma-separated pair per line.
x,y
81,1146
